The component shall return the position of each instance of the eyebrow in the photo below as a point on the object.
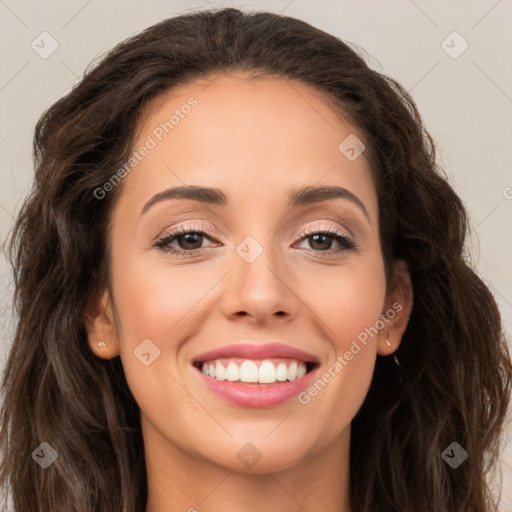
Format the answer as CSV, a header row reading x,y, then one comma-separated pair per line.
x,y
302,197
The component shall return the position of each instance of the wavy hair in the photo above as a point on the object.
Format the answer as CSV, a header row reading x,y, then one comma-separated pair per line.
x,y
455,373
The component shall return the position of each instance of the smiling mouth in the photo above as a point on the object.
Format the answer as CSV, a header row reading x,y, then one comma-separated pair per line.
x,y
262,372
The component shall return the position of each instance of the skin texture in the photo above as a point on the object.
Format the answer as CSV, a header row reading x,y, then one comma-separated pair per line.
x,y
255,139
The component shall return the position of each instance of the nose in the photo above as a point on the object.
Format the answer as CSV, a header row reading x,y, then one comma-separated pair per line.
x,y
260,291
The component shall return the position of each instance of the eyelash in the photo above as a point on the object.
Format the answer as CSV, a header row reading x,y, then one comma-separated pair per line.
x,y
347,243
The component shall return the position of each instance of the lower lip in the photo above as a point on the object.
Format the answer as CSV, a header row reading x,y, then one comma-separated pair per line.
x,y
257,395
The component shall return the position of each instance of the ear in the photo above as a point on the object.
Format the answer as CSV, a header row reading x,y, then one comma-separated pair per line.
x,y
100,324
397,310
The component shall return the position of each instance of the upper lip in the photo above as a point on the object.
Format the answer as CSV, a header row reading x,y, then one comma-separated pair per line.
x,y
257,351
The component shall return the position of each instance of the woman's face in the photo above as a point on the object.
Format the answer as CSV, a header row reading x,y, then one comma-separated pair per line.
x,y
259,275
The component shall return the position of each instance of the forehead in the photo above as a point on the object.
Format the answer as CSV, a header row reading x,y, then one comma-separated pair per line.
x,y
264,107
242,132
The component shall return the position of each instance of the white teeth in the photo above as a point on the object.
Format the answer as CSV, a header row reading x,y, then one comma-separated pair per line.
x,y
267,372
292,371
249,372
220,371
232,372
281,372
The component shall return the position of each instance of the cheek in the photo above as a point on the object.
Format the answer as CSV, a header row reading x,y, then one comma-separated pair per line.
x,y
155,316
154,300
348,300
348,303
159,303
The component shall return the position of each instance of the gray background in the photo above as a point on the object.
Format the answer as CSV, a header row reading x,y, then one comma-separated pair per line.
x,y
466,101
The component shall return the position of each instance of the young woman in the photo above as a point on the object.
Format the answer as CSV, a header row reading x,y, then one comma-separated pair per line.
x,y
241,285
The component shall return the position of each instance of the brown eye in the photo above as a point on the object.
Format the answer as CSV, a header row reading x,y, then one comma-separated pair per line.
x,y
321,241
187,241
191,240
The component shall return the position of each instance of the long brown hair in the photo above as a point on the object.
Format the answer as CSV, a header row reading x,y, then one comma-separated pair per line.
x,y
454,379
